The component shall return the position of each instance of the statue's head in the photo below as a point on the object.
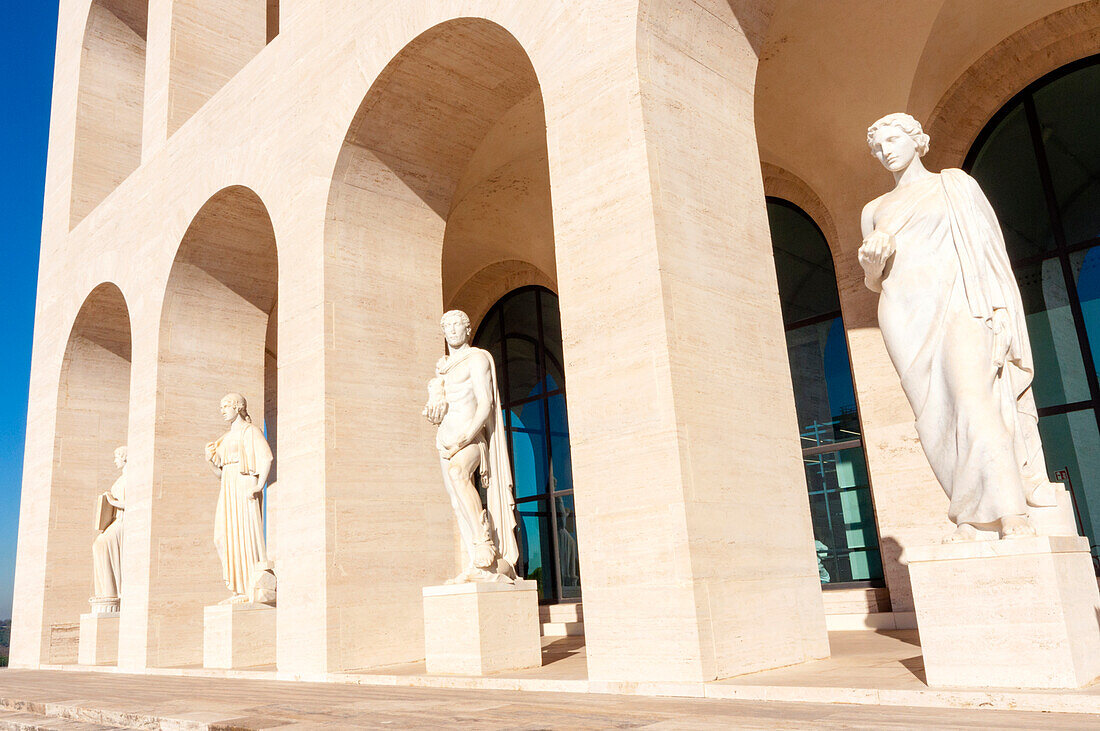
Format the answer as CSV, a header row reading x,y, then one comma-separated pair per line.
x,y
120,457
896,140
456,328
234,405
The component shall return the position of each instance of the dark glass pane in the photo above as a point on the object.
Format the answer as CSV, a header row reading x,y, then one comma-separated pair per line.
x,y
559,444
535,548
1009,175
1059,371
488,332
1069,117
568,563
1086,272
551,338
529,458
1072,447
823,393
523,372
803,264
845,536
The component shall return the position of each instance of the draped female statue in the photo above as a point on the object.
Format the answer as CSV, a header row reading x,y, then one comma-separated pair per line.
x,y
107,546
953,321
242,459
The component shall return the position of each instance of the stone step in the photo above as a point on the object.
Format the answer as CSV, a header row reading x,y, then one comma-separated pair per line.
x,y
567,612
27,721
562,629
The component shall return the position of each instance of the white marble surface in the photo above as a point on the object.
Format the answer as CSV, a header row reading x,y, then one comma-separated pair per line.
x,y
238,636
953,321
98,638
480,628
1014,613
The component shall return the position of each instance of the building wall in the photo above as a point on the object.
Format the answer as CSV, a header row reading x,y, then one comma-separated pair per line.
x,y
410,156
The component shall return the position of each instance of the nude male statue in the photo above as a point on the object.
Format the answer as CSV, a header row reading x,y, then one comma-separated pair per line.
x,y
464,402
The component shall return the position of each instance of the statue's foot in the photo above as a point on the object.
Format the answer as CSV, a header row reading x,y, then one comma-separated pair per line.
x,y
965,532
235,599
1016,526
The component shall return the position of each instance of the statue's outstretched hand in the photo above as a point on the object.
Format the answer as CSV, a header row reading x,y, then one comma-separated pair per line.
x,y
875,252
1002,337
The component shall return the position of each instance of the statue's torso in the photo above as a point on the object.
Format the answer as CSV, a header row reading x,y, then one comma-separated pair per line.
x,y
458,386
923,270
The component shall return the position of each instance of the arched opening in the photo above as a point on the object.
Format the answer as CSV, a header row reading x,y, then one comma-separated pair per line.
x,y
216,336
211,41
523,333
109,102
93,400
443,175
1038,161
841,509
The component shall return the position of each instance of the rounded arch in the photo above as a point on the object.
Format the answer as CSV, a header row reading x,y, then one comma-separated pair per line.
x,y
782,184
93,398
485,288
217,335
1028,54
109,102
443,172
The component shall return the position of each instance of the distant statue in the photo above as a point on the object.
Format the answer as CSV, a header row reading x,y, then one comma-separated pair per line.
x,y
464,402
107,546
242,459
953,321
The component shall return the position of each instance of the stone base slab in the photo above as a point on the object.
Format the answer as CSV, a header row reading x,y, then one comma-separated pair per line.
x,y
480,628
238,636
1014,613
98,638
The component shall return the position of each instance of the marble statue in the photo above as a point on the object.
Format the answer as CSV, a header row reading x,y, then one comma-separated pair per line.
x,y
107,546
464,403
953,321
242,459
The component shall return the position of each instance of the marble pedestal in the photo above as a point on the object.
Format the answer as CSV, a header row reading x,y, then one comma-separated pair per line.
x,y
1015,613
98,638
480,628
238,636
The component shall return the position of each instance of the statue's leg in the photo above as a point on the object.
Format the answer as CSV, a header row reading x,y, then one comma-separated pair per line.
x,y
458,474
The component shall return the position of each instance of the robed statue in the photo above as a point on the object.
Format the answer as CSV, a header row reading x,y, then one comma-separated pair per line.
x,y
242,459
464,402
953,321
107,546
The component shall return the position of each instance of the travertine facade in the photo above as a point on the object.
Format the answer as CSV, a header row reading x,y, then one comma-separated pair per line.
x,y
279,198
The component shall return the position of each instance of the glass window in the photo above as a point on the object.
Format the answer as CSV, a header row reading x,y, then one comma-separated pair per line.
x,y
523,332
1068,111
1008,172
1043,147
845,536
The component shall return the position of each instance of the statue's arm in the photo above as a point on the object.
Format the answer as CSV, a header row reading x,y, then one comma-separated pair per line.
x,y
876,250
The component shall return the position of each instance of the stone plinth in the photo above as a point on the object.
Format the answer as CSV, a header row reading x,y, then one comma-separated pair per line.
x,y
238,636
98,638
479,628
1015,613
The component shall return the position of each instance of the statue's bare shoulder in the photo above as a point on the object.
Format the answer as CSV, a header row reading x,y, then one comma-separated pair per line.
x,y
867,219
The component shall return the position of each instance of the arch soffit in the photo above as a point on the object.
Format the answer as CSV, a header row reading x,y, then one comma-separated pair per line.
x,y
485,288
213,210
780,183
1028,54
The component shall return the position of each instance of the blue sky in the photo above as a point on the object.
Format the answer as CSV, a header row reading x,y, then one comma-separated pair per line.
x,y
26,47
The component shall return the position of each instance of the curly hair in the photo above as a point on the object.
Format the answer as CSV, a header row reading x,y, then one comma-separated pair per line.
x,y
237,401
907,124
450,314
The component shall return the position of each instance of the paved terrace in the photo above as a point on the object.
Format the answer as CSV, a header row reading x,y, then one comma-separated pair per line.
x,y
872,680
50,699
